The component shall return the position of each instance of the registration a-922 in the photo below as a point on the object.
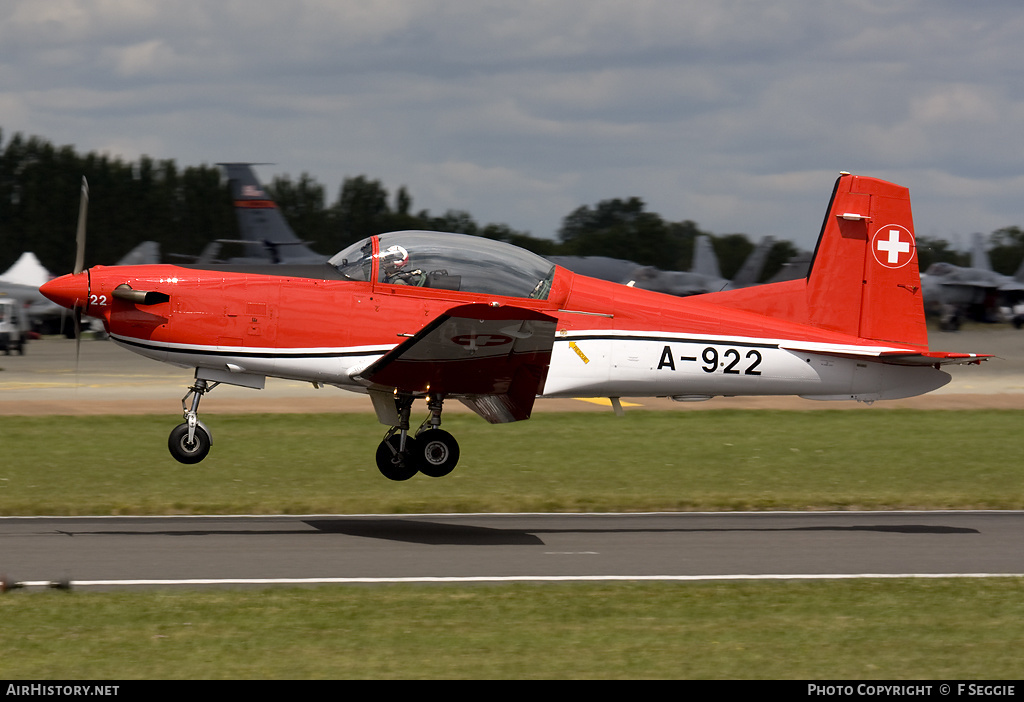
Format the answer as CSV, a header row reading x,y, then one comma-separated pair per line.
x,y
731,361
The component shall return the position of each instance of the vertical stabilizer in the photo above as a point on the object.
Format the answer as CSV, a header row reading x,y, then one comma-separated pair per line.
x,y
979,254
705,261
751,270
263,228
864,277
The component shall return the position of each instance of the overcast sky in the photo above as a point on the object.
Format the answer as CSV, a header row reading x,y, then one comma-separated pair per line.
x,y
737,115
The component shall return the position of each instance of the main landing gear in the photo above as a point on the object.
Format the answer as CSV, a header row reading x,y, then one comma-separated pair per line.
x,y
430,450
190,441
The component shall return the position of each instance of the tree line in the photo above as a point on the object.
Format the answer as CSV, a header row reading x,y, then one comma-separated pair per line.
x,y
184,208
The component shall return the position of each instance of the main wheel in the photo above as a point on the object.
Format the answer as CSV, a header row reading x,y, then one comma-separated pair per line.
x,y
185,452
394,464
438,452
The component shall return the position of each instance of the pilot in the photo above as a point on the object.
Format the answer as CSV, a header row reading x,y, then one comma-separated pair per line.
x,y
393,265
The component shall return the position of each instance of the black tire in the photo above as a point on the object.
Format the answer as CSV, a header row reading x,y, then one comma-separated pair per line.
x,y
393,464
183,452
438,452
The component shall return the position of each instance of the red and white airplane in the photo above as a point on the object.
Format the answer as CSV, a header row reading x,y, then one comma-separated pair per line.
x,y
425,315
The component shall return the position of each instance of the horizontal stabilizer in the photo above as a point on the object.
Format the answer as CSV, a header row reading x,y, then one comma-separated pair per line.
x,y
896,357
932,358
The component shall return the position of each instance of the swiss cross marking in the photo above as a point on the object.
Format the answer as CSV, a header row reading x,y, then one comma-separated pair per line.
x,y
893,246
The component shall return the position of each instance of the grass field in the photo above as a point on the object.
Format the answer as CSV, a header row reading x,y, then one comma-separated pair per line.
x,y
713,460
872,629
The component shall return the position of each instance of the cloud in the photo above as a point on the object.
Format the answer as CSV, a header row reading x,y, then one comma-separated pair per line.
x,y
736,115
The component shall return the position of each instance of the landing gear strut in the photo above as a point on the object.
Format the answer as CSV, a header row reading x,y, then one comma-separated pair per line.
x,y
431,450
190,441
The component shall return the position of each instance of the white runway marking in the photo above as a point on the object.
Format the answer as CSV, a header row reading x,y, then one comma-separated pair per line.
x,y
501,579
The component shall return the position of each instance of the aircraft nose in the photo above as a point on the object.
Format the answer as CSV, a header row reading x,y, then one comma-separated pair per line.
x,y
68,291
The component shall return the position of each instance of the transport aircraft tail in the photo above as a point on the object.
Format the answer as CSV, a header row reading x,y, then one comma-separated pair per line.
x,y
863,280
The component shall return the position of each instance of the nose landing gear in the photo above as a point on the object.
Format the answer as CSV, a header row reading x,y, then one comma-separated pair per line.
x,y
190,441
431,450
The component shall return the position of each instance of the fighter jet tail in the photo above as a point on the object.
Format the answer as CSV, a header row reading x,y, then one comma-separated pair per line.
x,y
264,231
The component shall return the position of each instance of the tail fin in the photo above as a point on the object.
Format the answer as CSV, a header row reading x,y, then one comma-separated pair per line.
x,y
752,268
705,261
263,228
979,255
147,252
863,279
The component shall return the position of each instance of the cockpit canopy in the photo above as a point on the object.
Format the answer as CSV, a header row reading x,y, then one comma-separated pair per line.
x,y
448,262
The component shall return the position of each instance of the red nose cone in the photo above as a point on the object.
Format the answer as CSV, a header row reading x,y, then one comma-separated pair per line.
x,y
68,291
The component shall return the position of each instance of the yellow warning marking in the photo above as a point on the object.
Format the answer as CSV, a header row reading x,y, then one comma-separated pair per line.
x,y
605,401
583,356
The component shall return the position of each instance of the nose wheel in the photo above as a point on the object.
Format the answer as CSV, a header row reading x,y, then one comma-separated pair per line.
x,y
432,451
187,449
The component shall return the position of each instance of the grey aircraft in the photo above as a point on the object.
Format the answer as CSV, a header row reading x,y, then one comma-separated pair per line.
x,y
977,291
704,275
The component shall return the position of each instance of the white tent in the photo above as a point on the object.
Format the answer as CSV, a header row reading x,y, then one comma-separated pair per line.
x,y
27,270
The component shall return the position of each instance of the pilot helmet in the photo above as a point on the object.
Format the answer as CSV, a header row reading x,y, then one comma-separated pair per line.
x,y
394,258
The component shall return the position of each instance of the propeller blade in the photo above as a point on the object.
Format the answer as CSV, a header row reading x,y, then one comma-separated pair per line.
x,y
78,338
80,235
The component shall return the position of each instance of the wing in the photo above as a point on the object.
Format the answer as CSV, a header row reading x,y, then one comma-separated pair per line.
x,y
493,359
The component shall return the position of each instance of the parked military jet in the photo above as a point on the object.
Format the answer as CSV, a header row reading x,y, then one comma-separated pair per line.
x,y
976,291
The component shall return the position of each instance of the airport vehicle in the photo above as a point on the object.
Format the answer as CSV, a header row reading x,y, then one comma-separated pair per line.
x,y
13,326
430,316
21,282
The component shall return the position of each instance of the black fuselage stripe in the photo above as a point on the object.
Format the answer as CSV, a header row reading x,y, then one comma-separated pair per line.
x,y
241,353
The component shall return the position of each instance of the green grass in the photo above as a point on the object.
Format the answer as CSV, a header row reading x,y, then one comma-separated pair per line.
x,y
871,629
709,460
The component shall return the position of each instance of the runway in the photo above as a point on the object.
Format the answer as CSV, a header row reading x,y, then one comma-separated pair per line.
x,y
104,553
